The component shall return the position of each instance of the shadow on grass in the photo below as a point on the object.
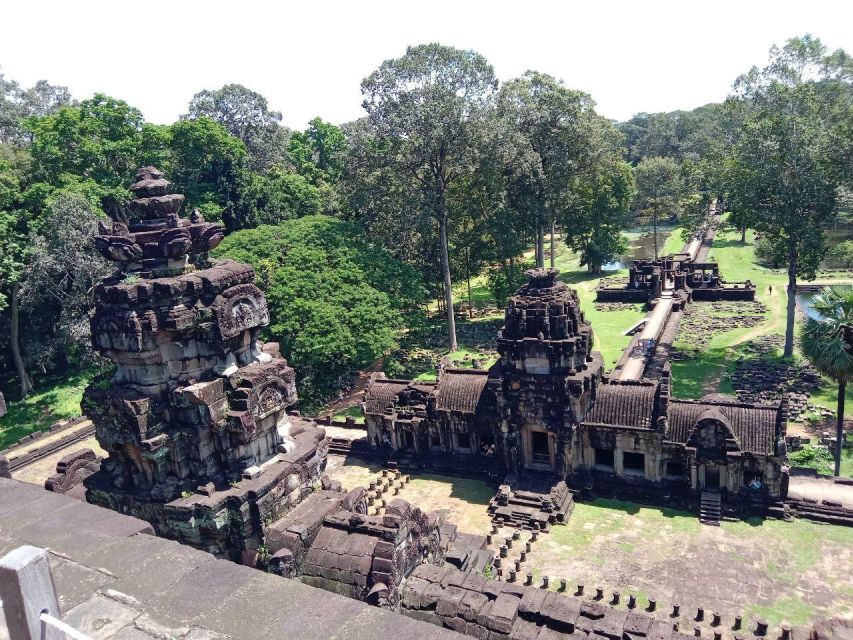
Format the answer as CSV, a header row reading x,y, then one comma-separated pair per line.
x,y
729,242
633,508
466,489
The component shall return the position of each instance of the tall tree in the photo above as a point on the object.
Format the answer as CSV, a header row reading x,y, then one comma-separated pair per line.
x,y
554,126
207,166
93,148
788,161
62,270
827,342
426,106
594,224
660,189
246,114
14,251
17,104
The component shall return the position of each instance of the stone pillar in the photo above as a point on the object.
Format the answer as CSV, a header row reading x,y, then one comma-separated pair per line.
x,y
618,461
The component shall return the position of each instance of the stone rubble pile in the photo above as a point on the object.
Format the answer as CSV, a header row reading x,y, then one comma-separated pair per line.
x,y
703,320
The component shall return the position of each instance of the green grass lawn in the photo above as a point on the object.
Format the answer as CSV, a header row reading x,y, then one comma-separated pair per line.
x,y
58,397
351,412
710,371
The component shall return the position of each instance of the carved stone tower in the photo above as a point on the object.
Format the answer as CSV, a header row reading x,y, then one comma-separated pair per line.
x,y
193,418
547,373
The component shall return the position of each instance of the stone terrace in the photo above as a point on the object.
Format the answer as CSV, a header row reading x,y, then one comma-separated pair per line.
x,y
115,581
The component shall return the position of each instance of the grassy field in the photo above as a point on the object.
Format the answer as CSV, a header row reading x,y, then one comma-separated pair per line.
x,y
795,571
57,398
712,369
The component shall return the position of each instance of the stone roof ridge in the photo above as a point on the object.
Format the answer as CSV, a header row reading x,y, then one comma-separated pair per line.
x,y
730,403
643,382
471,370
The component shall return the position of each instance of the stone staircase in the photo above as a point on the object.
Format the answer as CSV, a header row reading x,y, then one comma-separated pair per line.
x,y
710,511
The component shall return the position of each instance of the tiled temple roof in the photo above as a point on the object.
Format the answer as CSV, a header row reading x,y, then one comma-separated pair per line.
x,y
624,405
381,394
461,389
753,426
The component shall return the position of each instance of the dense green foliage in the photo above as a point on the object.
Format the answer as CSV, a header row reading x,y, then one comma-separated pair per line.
x,y
440,190
336,300
785,166
827,342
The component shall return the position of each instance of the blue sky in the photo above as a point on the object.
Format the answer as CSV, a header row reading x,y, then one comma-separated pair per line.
x,y
308,58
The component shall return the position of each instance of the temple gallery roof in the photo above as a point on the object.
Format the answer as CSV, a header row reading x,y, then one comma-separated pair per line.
x,y
624,405
753,426
382,393
461,389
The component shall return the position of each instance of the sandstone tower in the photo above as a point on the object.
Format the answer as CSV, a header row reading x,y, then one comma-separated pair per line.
x,y
547,373
194,417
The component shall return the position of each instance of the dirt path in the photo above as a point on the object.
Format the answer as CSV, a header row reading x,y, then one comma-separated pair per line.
x,y
354,396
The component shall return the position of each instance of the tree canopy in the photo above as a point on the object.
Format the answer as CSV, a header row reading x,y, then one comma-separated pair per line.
x,y
336,301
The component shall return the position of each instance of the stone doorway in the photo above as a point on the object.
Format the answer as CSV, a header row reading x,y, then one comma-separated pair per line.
x,y
538,448
712,479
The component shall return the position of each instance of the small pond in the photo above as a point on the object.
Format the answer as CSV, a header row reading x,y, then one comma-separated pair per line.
x,y
641,242
804,302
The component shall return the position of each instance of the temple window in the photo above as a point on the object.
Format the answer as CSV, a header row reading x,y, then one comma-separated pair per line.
x,y
463,441
604,458
434,439
674,470
634,463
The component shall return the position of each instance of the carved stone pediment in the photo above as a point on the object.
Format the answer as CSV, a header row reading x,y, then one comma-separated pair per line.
x,y
240,308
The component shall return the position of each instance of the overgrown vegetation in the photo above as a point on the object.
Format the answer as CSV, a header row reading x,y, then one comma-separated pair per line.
x,y
336,301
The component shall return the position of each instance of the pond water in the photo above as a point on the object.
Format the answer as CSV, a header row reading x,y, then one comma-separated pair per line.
x,y
804,302
839,232
641,241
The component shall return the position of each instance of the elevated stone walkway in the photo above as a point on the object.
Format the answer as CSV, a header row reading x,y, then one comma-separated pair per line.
x,y
115,580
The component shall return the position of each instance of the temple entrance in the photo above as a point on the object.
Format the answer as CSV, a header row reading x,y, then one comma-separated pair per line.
x,y
712,479
538,448
406,441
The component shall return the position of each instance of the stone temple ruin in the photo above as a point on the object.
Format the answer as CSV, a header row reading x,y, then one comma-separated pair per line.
x,y
546,413
200,444
194,420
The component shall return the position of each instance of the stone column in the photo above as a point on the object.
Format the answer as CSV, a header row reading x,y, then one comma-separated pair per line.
x,y
618,461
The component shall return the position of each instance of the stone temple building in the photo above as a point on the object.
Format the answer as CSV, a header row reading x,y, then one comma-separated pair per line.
x,y
194,416
195,424
546,405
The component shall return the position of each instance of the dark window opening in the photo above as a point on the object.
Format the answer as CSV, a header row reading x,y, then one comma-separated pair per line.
x,y
675,469
541,450
405,440
463,441
434,439
604,457
634,461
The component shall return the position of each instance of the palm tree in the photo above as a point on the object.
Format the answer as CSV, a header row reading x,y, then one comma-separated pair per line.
x,y
827,342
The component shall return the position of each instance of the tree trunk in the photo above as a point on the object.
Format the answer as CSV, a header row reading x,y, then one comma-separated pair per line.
x,y
655,225
839,427
23,376
743,234
540,245
792,304
552,243
448,285
468,279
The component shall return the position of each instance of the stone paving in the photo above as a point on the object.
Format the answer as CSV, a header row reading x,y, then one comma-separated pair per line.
x,y
797,572
115,581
